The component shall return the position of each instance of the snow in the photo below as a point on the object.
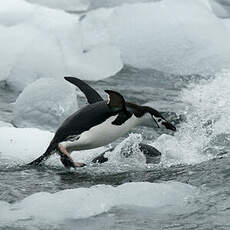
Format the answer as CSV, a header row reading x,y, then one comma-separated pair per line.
x,y
181,37
16,149
45,104
44,208
21,145
38,42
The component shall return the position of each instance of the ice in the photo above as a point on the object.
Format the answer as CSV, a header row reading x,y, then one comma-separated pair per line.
x,y
44,208
207,128
21,145
16,149
227,23
221,8
70,5
5,124
45,104
38,42
181,37
14,12
111,3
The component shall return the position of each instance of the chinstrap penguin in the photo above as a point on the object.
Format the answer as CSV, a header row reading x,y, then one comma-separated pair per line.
x,y
99,123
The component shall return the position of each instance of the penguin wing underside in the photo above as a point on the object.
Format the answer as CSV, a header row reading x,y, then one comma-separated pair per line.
x,y
91,94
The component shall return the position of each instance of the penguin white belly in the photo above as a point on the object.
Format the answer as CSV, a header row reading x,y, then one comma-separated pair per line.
x,y
101,134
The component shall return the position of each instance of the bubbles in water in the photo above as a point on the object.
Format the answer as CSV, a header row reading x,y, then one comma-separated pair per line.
x,y
203,135
128,153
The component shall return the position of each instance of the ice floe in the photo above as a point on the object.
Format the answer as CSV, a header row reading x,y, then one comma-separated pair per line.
x,y
21,145
45,104
40,42
37,41
161,35
44,208
5,124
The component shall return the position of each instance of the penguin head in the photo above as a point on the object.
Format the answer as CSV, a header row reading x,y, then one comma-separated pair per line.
x,y
156,119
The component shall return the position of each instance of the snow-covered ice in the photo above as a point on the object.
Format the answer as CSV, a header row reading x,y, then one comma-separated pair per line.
x,y
38,42
42,208
45,104
170,36
21,145
181,37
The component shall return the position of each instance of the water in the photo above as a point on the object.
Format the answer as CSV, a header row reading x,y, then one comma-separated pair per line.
x,y
188,189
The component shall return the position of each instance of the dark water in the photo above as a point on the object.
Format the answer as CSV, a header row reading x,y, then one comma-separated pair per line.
x,y
210,177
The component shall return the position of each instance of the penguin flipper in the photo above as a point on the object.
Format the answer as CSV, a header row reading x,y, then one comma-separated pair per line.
x,y
91,94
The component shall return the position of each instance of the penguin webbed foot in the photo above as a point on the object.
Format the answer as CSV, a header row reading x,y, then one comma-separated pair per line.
x,y
66,159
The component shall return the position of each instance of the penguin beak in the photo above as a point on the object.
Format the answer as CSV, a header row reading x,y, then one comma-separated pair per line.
x,y
169,126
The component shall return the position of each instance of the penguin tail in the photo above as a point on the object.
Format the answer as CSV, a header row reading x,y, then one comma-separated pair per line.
x,y
45,155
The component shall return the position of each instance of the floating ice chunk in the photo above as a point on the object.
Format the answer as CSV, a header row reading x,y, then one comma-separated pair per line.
x,y
69,5
29,58
227,23
161,35
22,145
100,62
5,124
45,104
45,208
38,42
221,8
13,12
93,28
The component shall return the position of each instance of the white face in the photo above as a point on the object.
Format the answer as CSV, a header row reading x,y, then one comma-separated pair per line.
x,y
158,121
162,123
150,120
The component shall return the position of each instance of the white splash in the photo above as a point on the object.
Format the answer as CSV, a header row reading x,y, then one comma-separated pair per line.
x,y
207,118
127,154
